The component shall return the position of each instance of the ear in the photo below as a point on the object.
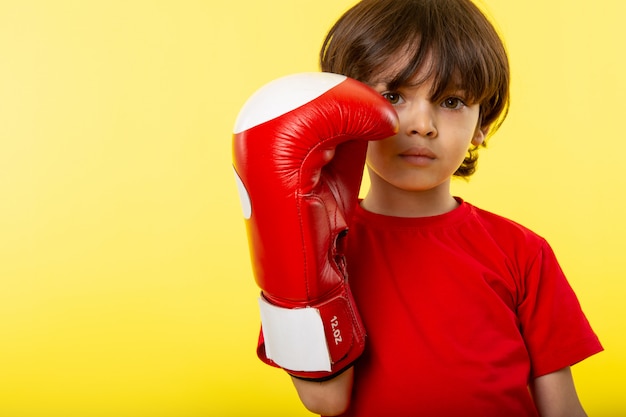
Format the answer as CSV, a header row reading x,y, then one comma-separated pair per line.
x,y
480,135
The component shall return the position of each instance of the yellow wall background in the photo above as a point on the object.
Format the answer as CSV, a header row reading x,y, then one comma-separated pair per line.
x,y
125,285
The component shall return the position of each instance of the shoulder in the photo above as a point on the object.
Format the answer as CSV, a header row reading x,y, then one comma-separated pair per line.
x,y
505,232
501,223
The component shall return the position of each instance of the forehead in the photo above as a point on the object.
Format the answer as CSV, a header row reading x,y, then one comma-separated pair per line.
x,y
427,71
389,70
398,63
394,64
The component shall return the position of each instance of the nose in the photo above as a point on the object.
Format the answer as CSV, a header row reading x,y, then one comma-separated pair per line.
x,y
421,121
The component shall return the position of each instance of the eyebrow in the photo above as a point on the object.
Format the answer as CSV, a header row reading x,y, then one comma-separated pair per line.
x,y
381,80
379,85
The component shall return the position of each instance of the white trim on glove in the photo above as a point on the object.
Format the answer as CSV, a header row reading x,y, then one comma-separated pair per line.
x,y
294,338
294,91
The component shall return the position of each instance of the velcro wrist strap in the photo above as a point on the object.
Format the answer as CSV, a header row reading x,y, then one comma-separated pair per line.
x,y
295,338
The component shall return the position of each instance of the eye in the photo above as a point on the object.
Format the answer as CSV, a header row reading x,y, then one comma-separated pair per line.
x,y
453,103
393,98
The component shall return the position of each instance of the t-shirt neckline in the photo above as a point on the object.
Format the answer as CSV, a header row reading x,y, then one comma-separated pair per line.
x,y
381,220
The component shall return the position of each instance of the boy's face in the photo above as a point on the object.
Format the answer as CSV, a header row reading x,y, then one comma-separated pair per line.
x,y
433,139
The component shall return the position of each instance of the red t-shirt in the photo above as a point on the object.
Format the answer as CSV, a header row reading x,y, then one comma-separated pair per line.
x,y
461,311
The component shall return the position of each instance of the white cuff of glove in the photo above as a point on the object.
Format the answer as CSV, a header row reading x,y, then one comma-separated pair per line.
x,y
294,338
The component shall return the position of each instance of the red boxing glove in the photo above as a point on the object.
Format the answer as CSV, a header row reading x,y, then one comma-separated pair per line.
x,y
299,151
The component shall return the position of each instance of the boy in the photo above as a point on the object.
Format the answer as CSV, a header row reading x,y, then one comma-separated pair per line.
x,y
467,313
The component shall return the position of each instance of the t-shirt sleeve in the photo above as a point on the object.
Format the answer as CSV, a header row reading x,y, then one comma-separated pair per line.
x,y
555,329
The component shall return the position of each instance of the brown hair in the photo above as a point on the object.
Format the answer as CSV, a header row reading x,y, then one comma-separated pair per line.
x,y
462,43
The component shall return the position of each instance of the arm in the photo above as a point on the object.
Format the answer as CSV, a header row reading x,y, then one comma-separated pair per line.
x,y
555,395
299,149
329,398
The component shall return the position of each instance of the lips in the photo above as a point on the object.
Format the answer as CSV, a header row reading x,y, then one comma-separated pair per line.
x,y
418,156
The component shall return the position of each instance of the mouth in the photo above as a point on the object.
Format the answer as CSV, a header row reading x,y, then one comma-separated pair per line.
x,y
418,156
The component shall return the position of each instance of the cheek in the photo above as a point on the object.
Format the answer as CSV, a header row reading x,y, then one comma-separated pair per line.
x,y
377,150
461,146
370,159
